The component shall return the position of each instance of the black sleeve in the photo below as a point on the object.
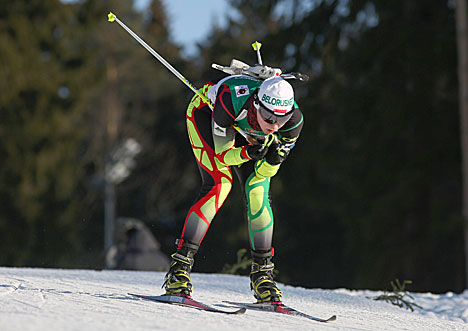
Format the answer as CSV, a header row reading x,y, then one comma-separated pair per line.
x,y
223,112
292,129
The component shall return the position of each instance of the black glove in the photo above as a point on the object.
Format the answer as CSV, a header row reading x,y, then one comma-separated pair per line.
x,y
276,155
256,152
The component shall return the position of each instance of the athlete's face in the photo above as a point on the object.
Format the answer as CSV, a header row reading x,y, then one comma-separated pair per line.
x,y
267,128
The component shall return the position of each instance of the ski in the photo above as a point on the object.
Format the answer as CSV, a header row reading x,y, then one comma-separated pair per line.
x,y
279,308
187,302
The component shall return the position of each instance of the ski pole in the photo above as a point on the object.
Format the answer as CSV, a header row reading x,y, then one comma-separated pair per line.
x,y
112,18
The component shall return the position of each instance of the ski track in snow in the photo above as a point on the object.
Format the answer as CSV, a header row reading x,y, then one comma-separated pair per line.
x,y
52,299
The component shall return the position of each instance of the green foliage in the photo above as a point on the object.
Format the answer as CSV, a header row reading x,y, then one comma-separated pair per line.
x,y
75,86
243,263
372,181
399,296
40,132
371,178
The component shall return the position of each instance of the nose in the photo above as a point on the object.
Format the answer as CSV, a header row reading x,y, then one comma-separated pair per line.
x,y
275,126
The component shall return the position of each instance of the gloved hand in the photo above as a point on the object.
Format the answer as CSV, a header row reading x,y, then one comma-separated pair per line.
x,y
256,152
276,155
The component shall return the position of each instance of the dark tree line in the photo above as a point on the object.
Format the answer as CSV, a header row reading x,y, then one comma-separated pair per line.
x,y
372,191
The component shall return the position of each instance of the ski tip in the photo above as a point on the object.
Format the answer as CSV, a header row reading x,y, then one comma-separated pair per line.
x,y
333,318
240,311
111,17
135,295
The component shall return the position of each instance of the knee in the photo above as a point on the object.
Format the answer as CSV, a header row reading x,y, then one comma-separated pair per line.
x,y
222,187
218,185
256,186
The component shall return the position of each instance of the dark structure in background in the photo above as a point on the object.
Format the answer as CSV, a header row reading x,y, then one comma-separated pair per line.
x,y
135,248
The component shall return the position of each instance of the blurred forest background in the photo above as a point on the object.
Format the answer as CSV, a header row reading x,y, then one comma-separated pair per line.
x,y
372,191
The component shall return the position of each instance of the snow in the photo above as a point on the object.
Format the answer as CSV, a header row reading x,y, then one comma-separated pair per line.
x,y
51,299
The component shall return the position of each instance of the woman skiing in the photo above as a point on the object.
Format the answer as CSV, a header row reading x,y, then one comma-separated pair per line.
x,y
266,113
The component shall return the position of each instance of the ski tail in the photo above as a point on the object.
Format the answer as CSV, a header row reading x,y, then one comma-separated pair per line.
x,y
278,307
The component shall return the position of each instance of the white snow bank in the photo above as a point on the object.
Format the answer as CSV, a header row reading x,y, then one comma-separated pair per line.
x,y
50,299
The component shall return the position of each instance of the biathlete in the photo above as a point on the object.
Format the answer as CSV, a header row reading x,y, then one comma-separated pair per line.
x,y
266,111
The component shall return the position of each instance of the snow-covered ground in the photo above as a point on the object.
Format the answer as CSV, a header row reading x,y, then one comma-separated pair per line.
x,y
51,299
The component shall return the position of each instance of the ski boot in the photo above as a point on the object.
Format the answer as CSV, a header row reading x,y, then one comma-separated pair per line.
x,y
261,278
177,280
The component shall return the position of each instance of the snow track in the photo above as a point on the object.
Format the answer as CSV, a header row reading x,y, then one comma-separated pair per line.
x,y
51,299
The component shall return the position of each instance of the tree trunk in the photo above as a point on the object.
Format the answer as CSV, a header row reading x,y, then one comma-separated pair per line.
x,y
462,47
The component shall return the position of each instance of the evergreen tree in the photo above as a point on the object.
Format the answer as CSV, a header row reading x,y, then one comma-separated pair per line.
x,y
40,133
378,159
369,194
404,150
138,98
383,167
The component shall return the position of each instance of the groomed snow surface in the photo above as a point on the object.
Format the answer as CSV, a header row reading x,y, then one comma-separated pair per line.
x,y
51,299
